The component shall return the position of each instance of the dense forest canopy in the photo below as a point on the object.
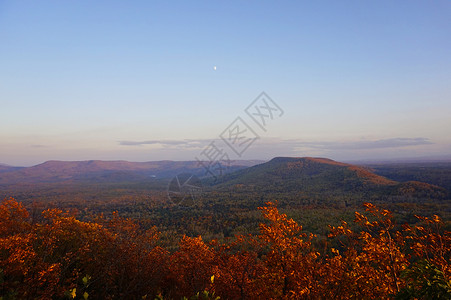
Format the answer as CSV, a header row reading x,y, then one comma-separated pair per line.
x,y
53,255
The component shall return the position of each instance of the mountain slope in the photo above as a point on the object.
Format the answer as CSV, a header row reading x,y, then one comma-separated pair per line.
x,y
320,176
6,168
436,173
103,171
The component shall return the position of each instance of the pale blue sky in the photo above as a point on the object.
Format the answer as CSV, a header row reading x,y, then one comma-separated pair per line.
x,y
135,80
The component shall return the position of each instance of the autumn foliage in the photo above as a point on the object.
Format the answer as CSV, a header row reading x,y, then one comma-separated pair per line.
x,y
56,256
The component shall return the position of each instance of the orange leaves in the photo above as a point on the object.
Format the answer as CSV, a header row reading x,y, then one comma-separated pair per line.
x,y
13,217
281,232
378,253
430,242
51,258
291,262
191,267
237,275
45,260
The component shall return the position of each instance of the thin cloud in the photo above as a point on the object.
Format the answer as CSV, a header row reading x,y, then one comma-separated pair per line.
x,y
296,145
187,143
151,142
364,144
270,146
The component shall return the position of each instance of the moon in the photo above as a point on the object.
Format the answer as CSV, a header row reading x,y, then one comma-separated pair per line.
x,y
214,68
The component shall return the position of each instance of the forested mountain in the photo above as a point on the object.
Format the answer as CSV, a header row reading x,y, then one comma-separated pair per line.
x,y
105,171
320,177
437,173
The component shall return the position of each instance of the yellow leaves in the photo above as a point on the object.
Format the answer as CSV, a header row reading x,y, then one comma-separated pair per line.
x,y
73,293
86,279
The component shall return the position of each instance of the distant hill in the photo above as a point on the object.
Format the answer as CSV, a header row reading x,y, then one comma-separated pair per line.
x,y
313,191
104,171
436,173
313,177
7,168
288,178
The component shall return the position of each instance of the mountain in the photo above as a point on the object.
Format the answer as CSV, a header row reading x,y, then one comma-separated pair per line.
x,y
8,168
281,177
104,171
436,173
313,177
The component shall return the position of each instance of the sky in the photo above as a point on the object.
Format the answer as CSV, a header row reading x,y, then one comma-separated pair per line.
x,y
157,80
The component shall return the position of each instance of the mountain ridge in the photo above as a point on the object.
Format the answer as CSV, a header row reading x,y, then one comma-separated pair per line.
x,y
60,171
312,176
315,175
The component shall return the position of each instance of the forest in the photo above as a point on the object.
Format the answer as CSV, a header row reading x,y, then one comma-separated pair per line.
x,y
291,228
51,254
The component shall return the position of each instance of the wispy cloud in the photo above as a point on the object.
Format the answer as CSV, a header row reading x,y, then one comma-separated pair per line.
x,y
266,148
152,142
296,143
365,144
180,144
